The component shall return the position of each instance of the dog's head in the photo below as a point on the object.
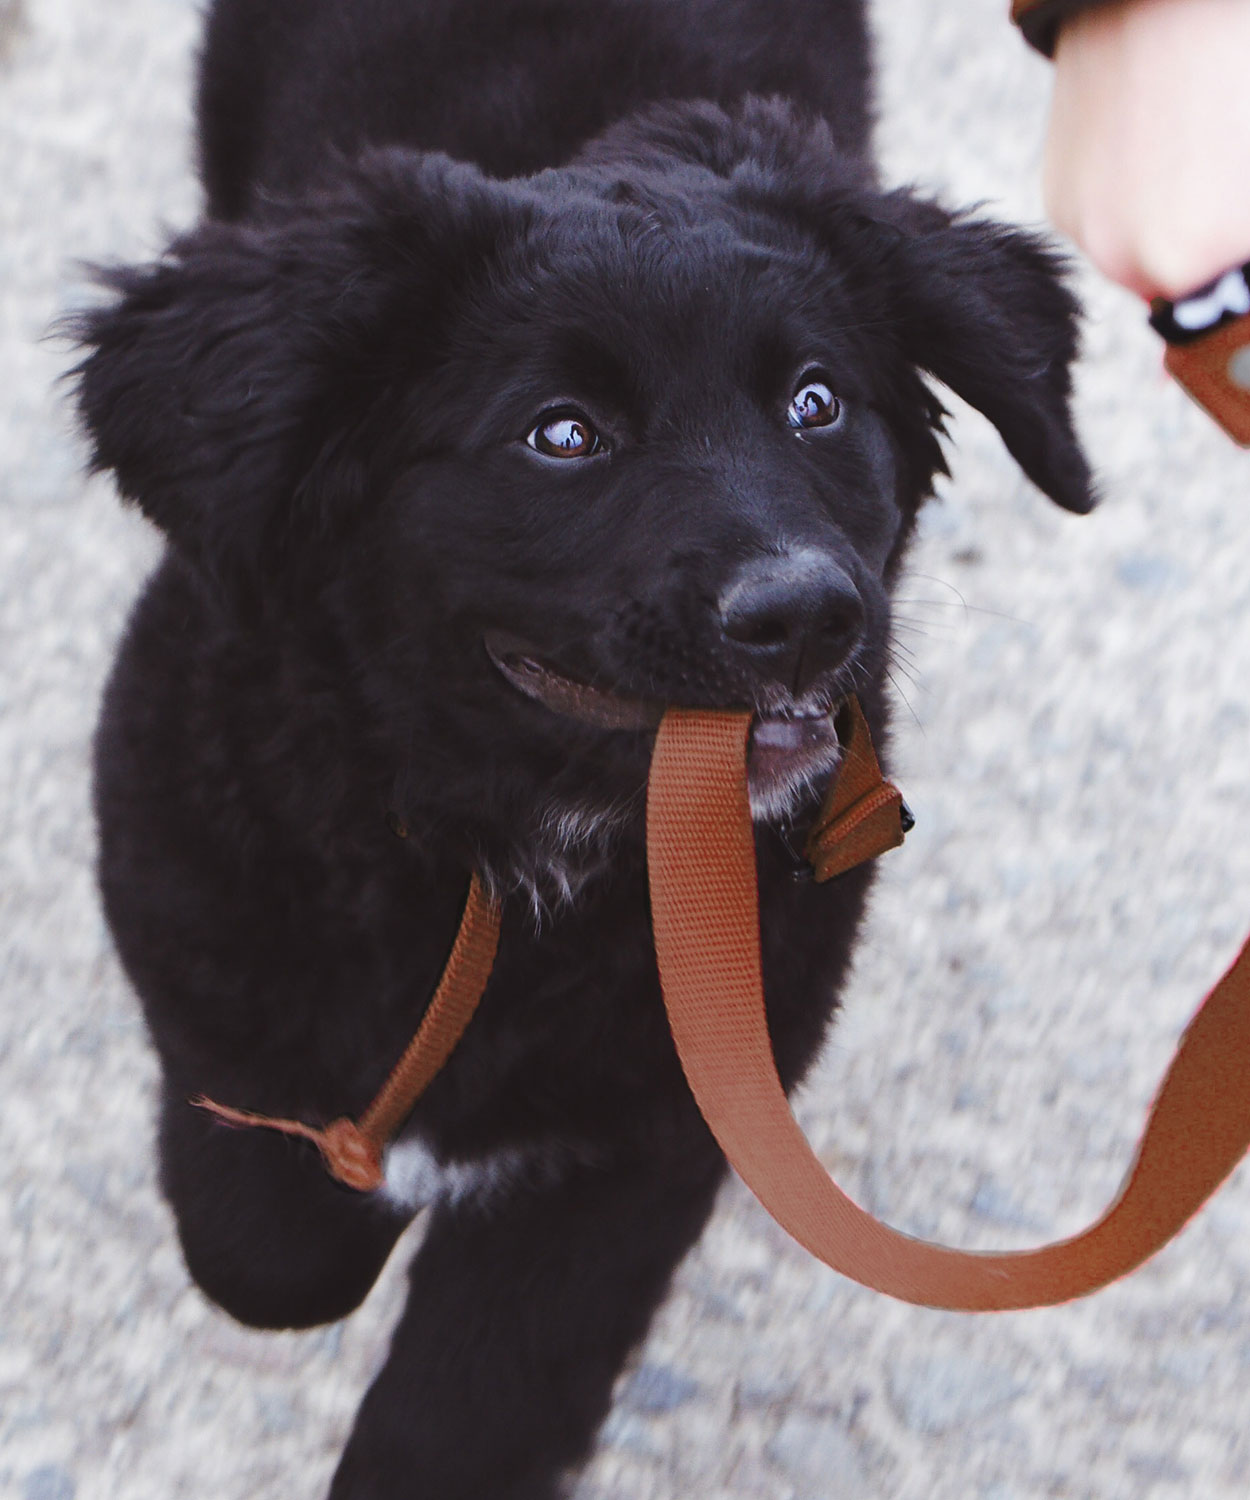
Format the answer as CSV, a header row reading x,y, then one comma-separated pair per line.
x,y
552,454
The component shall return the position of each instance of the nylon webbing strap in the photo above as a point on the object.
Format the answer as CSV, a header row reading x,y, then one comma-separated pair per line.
x,y
705,914
352,1149
862,813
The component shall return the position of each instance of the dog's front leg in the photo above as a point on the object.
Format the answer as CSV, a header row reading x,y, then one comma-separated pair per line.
x,y
521,1312
266,1232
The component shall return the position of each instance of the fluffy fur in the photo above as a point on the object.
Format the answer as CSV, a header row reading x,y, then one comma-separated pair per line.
x,y
431,224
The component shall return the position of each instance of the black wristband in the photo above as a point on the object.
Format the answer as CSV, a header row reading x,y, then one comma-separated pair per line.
x,y
1214,306
1208,339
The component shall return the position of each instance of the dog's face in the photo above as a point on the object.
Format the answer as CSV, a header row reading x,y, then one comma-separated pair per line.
x,y
553,455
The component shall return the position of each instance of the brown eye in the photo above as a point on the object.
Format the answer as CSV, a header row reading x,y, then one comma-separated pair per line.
x,y
813,405
564,435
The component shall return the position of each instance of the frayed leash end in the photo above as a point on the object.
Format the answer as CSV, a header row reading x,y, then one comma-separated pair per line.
x,y
351,1157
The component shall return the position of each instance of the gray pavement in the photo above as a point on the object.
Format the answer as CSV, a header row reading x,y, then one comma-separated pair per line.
x,y
1075,746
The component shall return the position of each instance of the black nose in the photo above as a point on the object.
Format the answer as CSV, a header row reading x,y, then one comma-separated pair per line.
x,y
794,616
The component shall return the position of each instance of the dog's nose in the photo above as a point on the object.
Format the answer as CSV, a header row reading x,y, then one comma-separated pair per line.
x,y
794,616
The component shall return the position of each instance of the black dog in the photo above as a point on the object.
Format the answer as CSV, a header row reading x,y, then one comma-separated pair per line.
x,y
465,461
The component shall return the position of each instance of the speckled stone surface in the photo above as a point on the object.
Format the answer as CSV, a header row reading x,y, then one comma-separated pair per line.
x,y
1074,742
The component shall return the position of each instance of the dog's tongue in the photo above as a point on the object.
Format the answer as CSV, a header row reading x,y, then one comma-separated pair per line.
x,y
782,747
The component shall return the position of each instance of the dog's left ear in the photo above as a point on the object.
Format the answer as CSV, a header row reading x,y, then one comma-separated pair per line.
x,y
985,309
238,388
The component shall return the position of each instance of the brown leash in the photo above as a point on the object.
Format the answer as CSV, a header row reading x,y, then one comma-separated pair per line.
x,y
701,856
705,914
352,1149
859,820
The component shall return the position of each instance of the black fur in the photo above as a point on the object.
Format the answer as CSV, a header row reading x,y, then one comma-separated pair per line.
x,y
322,395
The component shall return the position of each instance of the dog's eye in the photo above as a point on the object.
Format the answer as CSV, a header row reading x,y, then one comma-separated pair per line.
x,y
813,405
564,435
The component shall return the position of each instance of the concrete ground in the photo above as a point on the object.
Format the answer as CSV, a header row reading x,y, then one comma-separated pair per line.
x,y
1074,744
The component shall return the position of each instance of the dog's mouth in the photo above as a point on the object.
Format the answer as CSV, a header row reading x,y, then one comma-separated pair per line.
x,y
793,744
564,695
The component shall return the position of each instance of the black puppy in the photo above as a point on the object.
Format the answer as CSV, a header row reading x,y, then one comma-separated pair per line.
x,y
466,462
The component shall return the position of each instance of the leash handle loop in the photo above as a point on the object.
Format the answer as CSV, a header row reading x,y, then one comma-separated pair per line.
x,y
705,913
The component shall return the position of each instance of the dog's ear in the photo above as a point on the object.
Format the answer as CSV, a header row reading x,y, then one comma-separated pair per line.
x,y
982,307
985,309
227,385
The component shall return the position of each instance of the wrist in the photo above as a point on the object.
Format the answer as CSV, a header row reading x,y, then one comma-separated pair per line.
x,y
1148,137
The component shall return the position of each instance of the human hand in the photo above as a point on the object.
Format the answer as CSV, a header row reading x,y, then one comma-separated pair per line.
x,y
1148,148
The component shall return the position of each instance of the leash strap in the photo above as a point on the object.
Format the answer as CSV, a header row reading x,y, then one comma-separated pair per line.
x,y
705,912
705,915
863,815
352,1149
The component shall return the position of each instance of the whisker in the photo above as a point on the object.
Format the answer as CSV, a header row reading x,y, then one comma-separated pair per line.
x,y
905,698
911,675
959,602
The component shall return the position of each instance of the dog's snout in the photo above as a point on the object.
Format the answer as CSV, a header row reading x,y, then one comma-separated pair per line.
x,y
795,616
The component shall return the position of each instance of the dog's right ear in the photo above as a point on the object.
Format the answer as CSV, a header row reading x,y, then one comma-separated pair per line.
x,y
227,385
981,306
986,309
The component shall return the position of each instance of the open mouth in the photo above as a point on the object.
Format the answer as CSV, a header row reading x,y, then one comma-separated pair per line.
x,y
564,695
791,747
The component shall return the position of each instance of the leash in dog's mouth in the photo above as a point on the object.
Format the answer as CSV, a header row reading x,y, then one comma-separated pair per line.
x,y
706,925
790,746
862,816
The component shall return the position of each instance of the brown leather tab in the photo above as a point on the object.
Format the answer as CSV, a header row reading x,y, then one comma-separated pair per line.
x,y
705,914
862,816
1215,371
871,827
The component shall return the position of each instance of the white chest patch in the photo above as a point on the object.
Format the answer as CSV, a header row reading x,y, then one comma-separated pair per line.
x,y
415,1178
